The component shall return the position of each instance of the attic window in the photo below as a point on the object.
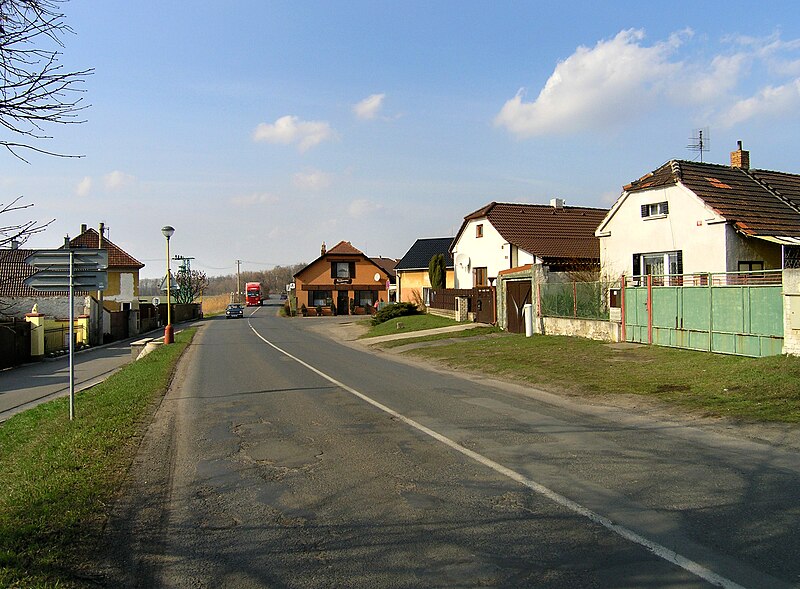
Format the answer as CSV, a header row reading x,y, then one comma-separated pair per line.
x,y
718,183
479,230
655,210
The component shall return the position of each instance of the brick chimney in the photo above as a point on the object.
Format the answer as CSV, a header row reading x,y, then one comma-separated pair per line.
x,y
84,227
557,203
323,249
740,158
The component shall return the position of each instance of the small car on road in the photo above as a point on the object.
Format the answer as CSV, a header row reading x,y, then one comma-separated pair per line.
x,y
234,311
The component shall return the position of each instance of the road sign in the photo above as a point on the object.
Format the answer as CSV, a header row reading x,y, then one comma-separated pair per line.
x,y
83,258
173,284
59,280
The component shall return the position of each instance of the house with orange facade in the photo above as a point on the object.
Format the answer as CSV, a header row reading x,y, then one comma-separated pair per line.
x,y
344,280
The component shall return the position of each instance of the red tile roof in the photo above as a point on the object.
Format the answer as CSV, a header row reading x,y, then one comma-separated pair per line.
x,y
345,247
117,257
757,202
553,234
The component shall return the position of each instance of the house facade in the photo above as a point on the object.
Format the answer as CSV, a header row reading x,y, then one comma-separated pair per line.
x,y
344,278
412,269
501,236
689,217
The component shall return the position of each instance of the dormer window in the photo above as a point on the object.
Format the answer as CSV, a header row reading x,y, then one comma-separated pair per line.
x,y
655,210
343,270
479,230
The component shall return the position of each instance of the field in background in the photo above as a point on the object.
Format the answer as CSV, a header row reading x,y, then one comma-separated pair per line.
x,y
215,304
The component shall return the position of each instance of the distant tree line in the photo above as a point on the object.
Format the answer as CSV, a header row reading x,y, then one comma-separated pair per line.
x,y
273,281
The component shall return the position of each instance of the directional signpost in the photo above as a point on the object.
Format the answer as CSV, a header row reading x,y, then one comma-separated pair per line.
x,y
69,269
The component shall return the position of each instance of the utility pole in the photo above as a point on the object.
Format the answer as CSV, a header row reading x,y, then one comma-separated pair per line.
x,y
100,329
238,281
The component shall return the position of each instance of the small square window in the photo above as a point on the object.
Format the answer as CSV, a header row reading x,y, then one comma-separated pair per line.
x,y
479,230
656,209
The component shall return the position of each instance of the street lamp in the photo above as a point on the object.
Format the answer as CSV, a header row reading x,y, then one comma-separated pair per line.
x,y
167,232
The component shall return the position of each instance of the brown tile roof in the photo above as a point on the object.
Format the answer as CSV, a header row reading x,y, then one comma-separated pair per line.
x,y
757,202
385,264
117,257
553,234
14,270
344,247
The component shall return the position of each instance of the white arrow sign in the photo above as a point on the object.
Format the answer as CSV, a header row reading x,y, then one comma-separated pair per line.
x,y
83,258
55,280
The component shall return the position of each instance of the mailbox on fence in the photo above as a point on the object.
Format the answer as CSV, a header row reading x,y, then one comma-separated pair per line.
x,y
614,298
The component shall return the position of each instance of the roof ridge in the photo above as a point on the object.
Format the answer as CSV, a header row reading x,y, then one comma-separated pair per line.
x,y
775,192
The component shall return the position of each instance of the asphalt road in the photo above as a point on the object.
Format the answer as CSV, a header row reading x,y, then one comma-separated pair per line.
x,y
281,458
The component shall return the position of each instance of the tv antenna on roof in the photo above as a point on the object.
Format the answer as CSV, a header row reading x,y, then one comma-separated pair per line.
x,y
700,142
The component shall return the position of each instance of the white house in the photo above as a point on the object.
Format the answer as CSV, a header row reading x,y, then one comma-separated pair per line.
x,y
501,236
690,217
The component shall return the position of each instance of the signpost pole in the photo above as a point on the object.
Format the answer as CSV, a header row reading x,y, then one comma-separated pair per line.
x,y
71,335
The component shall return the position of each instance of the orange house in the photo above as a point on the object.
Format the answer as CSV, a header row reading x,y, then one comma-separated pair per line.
x,y
345,279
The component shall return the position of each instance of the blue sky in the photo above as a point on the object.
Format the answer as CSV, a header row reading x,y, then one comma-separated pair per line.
x,y
260,129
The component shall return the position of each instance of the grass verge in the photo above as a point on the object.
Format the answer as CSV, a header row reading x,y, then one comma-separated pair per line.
x,y
59,478
467,333
409,323
758,389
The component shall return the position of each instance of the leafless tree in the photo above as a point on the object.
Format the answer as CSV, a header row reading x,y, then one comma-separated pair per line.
x,y
36,91
17,234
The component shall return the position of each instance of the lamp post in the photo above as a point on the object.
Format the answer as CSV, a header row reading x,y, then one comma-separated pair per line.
x,y
167,232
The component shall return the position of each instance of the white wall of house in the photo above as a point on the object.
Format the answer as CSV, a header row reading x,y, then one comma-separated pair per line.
x,y
491,251
689,226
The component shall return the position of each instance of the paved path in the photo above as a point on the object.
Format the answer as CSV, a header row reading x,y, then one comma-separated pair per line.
x,y
26,386
422,333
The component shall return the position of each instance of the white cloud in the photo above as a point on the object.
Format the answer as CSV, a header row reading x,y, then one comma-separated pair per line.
x,y
594,88
311,180
84,187
369,108
116,180
290,129
254,199
772,101
363,207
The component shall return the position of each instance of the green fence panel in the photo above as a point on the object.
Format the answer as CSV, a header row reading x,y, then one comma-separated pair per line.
x,y
695,308
766,310
728,309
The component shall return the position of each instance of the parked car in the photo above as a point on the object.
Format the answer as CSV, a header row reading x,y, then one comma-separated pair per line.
x,y
234,311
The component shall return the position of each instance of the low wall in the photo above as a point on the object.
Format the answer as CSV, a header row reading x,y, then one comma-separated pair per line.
x,y
606,331
791,311
442,313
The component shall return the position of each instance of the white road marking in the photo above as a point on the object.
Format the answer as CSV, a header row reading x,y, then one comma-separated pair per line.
x,y
654,547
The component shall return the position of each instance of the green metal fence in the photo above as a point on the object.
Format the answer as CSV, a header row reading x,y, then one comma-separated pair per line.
x,y
732,313
584,300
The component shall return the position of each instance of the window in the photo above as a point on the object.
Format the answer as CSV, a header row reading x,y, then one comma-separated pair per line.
x,y
479,277
479,230
659,265
655,210
366,298
750,266
320,298
343,270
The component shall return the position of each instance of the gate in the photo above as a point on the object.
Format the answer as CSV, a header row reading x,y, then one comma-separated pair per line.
x,y
518,294
15,343
733,313
483,304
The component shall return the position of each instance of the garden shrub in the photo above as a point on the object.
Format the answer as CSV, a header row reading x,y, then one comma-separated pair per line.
x,y
394,310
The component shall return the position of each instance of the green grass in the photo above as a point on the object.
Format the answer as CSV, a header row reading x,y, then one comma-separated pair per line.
x,y
59,478
474,332
760,389
410,323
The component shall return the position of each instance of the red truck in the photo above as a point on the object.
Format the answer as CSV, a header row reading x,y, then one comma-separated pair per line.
x,y
253,293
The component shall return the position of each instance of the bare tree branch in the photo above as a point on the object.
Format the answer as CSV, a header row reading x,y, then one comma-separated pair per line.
x,y
36,92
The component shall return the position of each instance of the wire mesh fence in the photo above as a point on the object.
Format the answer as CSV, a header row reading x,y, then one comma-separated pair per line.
x,y
583,300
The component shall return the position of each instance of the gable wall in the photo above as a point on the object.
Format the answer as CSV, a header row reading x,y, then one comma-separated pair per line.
x,y
490,251
690,226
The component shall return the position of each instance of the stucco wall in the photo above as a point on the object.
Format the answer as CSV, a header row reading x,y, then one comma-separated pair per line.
x,y
490,251
413,281
50,306
317,276
791,312
742,248
690,226
606,331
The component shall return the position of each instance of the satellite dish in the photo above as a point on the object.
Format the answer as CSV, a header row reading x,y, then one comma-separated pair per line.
x,y
462,260
377,277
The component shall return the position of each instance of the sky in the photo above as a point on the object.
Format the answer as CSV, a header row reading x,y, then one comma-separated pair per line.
x,y
260,129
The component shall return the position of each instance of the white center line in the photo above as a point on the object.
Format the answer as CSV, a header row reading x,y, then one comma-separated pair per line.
x,y
654,547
